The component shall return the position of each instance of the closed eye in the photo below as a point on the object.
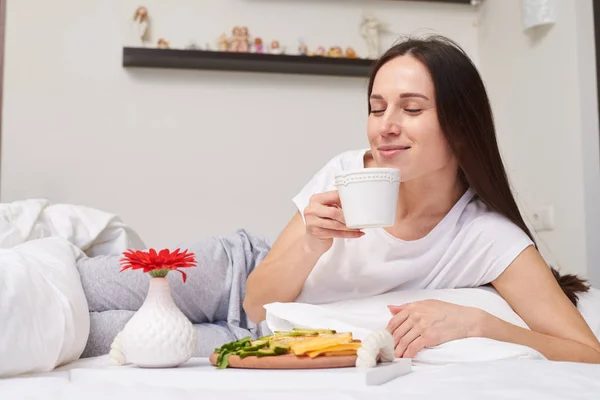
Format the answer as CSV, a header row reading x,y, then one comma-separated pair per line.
x,y
377,111
413,111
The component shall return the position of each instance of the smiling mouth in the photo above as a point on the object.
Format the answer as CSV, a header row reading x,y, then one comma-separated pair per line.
x,y
393,148
390,150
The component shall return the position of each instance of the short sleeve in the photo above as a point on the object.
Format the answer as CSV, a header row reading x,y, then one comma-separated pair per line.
x,y
489,245
323,180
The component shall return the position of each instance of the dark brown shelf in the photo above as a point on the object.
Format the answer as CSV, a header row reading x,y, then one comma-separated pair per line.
x,y
439,1
247,62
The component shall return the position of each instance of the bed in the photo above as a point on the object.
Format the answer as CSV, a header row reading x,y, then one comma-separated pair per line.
x,y
502,380
45,325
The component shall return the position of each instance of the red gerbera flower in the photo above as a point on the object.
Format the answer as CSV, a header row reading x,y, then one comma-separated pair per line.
x,y
158,264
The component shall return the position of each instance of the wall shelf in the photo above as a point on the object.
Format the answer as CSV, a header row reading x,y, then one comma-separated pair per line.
x,y
247,62
446,1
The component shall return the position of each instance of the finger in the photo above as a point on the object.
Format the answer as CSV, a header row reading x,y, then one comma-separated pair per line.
x,y
406,340
395,309
329,212
416,346
402,330
396,321
322,222
338,234
329,224
330,198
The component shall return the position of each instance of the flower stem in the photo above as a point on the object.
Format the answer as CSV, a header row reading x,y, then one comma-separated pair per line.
x,y
159,273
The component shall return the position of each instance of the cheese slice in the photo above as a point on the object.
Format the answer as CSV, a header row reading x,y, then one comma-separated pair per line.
x,y
337,350
320,342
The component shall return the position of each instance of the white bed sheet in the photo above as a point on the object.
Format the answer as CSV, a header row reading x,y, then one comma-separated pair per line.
x,y
501,380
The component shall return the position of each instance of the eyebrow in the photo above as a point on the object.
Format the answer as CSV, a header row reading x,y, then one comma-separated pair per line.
x,y
402,96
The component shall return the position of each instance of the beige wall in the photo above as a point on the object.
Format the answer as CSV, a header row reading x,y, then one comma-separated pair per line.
x,y
184,154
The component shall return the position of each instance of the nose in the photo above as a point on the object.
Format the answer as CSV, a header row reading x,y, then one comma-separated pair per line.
x,y
390,127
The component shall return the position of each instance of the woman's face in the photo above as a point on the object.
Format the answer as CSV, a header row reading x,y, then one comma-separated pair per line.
x,y
403,128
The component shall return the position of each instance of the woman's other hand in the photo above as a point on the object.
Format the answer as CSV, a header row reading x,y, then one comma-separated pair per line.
x,y
429,323
325,221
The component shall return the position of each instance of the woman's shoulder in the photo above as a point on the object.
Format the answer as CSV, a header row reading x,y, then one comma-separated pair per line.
x,y
483,228
485,244
479,218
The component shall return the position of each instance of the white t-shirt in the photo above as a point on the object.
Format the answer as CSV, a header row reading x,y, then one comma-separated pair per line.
x,y
471,246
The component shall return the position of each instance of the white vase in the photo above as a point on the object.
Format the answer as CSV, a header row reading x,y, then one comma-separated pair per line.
x,y
159,335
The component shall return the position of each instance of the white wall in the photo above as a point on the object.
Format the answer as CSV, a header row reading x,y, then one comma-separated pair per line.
x,y
543,89
590,139
184,154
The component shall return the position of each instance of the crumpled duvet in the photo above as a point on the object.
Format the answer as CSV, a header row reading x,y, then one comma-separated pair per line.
x,y
44,318
93,231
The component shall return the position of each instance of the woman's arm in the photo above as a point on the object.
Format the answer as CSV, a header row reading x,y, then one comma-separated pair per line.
x,y
553,348
282,273
558,330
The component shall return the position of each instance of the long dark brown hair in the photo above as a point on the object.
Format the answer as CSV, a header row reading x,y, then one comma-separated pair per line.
x,y
466,119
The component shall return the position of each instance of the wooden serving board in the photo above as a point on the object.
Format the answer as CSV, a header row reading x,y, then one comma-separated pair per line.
x,y
288,361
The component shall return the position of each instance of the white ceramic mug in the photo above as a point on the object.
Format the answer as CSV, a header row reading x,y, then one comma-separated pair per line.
x,y
369,196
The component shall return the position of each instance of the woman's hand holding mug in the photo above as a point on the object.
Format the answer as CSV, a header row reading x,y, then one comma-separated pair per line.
x,y
325,221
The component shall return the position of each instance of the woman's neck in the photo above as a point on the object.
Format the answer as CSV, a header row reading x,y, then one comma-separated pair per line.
x,y
429,196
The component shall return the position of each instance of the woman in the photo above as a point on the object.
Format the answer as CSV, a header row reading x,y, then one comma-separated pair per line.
x,y
457,223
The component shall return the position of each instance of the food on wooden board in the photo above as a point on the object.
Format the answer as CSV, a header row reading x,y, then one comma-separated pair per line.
x,y
301,342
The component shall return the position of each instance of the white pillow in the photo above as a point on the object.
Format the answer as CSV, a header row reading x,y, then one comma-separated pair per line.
x,y
44,318
361,316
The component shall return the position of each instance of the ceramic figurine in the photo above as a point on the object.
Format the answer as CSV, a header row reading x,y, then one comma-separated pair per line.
x,y
336,52
234,40
239,40
140,26
223,42
244,40
350,53
275,48
258,45
302,49
370,28
162,44
320,51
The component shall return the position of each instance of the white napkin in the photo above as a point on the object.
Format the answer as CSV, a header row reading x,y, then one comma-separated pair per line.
x,y
286,316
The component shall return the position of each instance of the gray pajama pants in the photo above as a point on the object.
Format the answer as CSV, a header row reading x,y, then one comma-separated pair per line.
x,y
211,298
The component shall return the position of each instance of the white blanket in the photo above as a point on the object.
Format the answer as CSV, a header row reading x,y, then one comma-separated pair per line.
x,y
94,231
92,379
44,319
